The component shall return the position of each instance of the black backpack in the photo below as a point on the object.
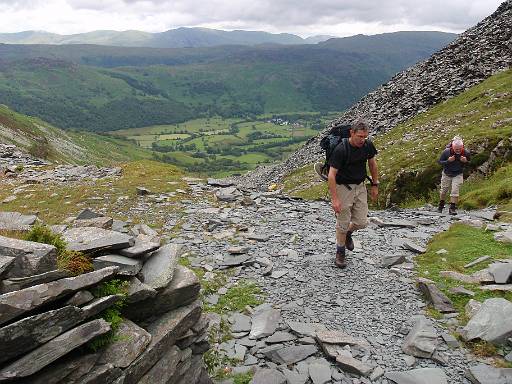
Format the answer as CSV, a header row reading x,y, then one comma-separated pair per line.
x,y
338,134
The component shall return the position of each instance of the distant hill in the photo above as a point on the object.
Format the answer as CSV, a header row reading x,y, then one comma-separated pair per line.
x,y
45,141
174,38
101,88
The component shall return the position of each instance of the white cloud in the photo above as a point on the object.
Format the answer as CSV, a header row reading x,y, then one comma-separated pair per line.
x,y
334,17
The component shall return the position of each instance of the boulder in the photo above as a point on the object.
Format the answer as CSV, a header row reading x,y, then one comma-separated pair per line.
x,y
240,323
31,332
158,270
30,258
14,304
54,349
87,214
130,341
422,340
472,307
492,322
164,333
183,289
434,295
91,239
418,376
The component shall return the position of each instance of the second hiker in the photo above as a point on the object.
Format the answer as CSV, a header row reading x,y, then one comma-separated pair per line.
x,y
346,177
453,159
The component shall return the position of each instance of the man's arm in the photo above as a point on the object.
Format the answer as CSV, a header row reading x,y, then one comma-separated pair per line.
x,y
331,181
374,171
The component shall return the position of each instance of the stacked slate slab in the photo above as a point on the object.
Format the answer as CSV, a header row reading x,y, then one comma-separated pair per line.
x,y
49,317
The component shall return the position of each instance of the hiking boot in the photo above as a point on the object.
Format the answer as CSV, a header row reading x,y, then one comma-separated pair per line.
x,y
453,209
349,243
321,171
340,260
440,207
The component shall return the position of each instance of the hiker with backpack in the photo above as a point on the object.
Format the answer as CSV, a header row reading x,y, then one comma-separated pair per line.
x,y
453,158
345,176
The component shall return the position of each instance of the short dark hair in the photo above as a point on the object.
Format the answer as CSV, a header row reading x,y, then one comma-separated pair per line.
x,y
360,125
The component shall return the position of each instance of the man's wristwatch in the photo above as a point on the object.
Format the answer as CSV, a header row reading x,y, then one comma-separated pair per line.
x,y
375,184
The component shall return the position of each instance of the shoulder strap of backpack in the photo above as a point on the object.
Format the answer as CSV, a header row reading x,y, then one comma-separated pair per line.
x,y
346,151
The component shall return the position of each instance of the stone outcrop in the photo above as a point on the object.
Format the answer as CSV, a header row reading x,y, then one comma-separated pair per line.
x,y
47,317
476,54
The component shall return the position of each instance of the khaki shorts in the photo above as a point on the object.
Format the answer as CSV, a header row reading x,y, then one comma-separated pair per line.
x,y
452,183
354,206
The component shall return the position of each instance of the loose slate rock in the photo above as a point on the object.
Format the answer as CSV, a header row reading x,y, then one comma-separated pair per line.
x,y
351,365
306,329
492,322
158,270
130,341
5,262
264,323
31,332
138,291
413,246
290,355
485,374
477,261
501,272
422,340
419,376
17,283
268,376
98,222
30,258
280,337
390,260
13,221
55,348
90,239
241,323
320,373
438,299
14,304
127,266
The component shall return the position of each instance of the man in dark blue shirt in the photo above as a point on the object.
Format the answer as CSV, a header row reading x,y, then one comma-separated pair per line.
x,y
453,160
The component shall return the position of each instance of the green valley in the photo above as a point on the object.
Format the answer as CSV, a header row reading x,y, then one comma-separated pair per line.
x,y
223,146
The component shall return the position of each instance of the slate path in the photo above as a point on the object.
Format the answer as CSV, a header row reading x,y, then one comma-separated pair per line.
x,y
364,300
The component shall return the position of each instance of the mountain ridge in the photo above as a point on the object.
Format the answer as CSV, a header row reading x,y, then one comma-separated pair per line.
x,y
174,38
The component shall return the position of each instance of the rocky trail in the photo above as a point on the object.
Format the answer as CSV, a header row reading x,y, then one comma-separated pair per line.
x,y
287,247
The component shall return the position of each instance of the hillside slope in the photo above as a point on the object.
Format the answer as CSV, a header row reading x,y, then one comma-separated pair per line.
x,y
477,54
157,86
45,141
408,153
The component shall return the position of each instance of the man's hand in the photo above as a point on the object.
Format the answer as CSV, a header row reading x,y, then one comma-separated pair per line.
x,y
451,158
374,192
336,206
463,159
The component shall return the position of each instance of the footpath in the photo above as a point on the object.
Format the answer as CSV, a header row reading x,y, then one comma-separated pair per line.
x,y
318,323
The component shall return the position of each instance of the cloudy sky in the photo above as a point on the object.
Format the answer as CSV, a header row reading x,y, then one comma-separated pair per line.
x,y
302,17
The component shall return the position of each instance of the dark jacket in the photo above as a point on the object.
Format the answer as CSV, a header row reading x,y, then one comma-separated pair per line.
x,y
453,168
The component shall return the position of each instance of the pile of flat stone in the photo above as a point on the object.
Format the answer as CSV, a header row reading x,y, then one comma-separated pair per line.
x,y
69,173
47,316
11,158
